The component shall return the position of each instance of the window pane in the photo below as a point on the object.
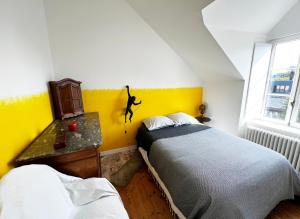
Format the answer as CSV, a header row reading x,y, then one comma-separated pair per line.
x,y
276,107
286,55
282,81
282,76
284,67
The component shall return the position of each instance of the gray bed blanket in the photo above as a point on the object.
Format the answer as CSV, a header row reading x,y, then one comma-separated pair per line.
x,y
211,174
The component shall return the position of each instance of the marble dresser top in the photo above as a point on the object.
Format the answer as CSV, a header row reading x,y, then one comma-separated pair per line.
x,y
87,136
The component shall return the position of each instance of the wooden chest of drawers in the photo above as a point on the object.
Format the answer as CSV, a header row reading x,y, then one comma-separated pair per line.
x,y
79,158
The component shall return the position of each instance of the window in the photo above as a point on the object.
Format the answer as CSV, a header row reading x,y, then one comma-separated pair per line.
x,y
282,101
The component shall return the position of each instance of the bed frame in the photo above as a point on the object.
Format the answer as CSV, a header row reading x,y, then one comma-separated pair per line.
x,y
176,213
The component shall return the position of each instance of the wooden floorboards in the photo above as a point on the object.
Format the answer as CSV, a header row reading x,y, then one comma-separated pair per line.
x,y
286,210
143,200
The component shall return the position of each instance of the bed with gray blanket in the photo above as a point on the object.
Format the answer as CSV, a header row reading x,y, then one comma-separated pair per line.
x,y
210,174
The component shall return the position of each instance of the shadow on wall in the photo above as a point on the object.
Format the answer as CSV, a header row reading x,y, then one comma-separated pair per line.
x,y
111,106
224,100
119,106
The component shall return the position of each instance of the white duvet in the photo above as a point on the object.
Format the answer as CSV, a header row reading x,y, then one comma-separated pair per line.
x,y
40,192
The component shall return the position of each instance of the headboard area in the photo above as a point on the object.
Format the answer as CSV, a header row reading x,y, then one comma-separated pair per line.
x,y
111,106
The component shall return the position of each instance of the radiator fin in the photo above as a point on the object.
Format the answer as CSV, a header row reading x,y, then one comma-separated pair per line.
x,y
285,145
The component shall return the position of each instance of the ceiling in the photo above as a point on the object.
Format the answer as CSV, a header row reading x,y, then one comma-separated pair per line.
x,y
200,40
237,25
255,16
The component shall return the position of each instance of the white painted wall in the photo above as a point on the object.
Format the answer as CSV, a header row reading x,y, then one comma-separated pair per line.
x,y
25,59
224,100
180,24
106,44
288,25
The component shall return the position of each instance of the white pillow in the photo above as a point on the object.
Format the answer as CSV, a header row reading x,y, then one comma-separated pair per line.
x,y
157,122
182,119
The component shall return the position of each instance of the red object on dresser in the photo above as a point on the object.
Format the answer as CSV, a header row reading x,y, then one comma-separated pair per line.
x,y
72,126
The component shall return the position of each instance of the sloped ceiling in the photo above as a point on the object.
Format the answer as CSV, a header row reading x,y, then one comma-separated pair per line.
x,y
289,25
218,44
237,24
181,25
254,16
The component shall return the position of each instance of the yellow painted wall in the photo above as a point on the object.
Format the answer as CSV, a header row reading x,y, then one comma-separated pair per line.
x,y
21,120
111,105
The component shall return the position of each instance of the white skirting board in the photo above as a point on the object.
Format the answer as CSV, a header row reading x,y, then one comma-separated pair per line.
x,y
118,150
161,184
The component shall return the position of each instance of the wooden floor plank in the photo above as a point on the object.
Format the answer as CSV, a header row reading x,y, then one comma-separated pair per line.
x,y
143,200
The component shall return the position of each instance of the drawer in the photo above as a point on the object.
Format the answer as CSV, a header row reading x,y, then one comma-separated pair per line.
x,y
82,164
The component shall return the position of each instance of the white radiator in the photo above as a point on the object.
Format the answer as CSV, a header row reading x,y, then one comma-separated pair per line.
x,y
287,146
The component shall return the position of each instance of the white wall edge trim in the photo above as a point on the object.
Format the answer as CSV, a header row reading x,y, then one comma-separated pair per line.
x,y
118,150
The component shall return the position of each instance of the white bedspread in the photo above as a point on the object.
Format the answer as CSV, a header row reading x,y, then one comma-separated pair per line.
x,y
40,192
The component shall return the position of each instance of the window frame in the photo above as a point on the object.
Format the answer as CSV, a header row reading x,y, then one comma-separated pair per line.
x,y
291,112
296,107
